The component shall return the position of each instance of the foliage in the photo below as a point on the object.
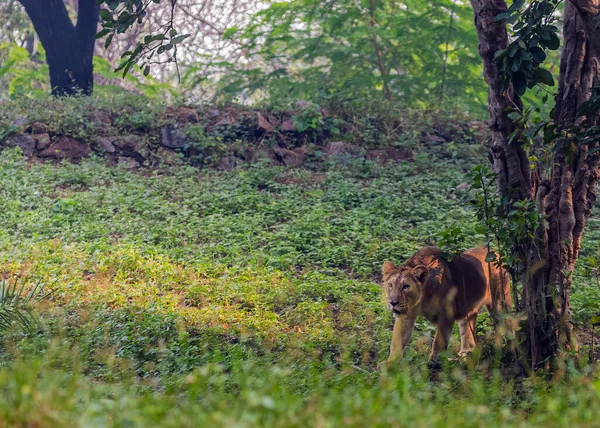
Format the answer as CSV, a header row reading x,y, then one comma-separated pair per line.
x,y
231,297
534,32
200,291
20,73
120,15
16,299
313,49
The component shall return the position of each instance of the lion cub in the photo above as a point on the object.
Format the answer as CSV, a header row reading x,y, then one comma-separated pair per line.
x,y
443,292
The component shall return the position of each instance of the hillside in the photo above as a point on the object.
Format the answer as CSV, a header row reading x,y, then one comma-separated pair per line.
x,y
220,265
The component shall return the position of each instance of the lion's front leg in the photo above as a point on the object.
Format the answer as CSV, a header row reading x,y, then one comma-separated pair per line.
x,y
403,329
442,337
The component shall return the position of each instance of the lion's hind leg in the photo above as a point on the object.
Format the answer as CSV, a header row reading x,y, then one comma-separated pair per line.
x,y
467,328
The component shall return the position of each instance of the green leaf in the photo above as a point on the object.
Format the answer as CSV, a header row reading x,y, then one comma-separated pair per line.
x,y
108,40
544,76
491,257
179,39
595,320
105,15
553,42
102,33
538,54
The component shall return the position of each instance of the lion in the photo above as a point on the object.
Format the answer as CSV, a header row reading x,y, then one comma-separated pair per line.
x,y
443,292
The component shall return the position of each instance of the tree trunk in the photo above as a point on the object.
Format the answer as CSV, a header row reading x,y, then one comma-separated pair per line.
x,y
69,48
574,178
547,260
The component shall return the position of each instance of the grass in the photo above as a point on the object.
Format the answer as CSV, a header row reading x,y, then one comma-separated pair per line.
x,y
185,297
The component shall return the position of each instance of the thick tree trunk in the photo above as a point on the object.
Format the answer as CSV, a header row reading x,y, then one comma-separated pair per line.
x,y
574,179
69,48
547,261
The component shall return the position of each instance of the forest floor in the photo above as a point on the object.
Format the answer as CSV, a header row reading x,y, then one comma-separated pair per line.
x,y
186,296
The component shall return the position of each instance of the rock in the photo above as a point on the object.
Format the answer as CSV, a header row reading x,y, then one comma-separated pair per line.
x,y
188,115
66,148
37,128
294,157
104,144
342,150
288,126
263,124
229,163
261,154
42,141
101,117
167,156
435,139
463,187
302,105
172,137
130,144
128,163
227,120
389,155
25,141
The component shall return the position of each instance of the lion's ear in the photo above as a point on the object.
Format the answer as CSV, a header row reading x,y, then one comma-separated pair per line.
x,y
420,273
388,268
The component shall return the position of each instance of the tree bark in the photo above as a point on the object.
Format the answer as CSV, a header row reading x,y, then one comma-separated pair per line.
x,y
69,48
574,178
566,199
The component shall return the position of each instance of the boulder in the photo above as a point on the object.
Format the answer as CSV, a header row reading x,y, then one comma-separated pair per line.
x,y
127,163
339,149
288,126
65,148
172,137
166,156
42,141
389,155
263,123
131,145
302,105
225,121
37,128
187,115
104,144
229,163
25,141
295,157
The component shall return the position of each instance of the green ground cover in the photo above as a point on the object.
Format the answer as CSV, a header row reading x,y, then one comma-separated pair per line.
x,y
185,297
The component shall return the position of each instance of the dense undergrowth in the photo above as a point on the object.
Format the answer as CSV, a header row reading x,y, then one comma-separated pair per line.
x,y
186,296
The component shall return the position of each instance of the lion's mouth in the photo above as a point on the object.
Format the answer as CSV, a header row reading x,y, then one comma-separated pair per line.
x,y
399,311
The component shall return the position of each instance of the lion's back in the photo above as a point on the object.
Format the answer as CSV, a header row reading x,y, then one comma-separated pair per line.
x,y
496,279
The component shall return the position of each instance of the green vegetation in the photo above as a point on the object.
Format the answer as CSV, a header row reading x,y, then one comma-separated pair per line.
x,y
194,280
185,296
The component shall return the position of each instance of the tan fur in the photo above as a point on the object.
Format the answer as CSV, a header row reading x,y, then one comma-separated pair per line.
x,y
443,292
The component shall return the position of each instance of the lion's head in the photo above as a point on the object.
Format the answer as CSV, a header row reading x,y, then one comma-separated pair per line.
x,y
404,286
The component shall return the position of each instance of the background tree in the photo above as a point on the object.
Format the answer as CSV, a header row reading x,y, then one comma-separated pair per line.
x,y
554,183
69,47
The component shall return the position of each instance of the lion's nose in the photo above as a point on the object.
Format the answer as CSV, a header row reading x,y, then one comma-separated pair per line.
x,y
394,302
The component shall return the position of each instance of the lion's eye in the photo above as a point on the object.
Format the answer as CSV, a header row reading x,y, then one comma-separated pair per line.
x,y
406,287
